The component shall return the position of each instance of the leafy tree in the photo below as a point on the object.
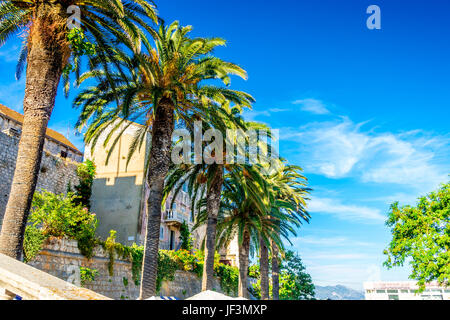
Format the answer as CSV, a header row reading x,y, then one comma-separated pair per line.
x,y
296,283
421,234
49,46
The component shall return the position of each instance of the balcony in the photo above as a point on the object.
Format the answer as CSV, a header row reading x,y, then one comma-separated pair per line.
x,y
172,218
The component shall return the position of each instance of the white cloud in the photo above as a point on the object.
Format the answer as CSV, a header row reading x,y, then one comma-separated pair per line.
x,y
329,241
312,105
341,148
251,115
345,211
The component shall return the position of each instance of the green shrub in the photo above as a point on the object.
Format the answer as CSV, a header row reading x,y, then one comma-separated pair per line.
x,y
87,275
33,242
58,216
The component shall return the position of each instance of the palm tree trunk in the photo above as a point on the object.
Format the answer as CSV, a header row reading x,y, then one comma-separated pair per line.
x,y
160,153
244,252
212,207
264,269
46,59
275,272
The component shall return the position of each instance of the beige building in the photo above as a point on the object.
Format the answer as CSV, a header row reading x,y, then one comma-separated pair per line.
x,y
404,290
119,190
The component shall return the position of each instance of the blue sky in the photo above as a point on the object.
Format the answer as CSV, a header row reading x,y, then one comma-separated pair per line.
x,y
364,112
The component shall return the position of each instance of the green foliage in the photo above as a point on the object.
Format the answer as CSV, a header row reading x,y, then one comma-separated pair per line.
x,y
83,191
87,275
79,43
229,278
133,254
185,237
253,271
167,266
171,261
295,282
57,216
111,247
422,234
33,242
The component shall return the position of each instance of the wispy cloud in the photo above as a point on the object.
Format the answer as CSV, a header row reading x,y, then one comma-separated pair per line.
x,y
339,241
341,148
347,212
312,105
251,115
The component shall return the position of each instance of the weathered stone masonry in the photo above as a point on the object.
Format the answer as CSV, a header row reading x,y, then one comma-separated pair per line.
x,y
54,176
62,259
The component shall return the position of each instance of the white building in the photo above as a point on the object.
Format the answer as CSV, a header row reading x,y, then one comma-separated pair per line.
x,y
404,290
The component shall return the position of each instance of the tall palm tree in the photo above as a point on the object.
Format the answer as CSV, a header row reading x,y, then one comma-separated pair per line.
x,y
163,87
47,51
242,211
205,181
288,195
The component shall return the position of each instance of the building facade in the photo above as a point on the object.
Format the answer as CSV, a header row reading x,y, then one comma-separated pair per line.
x,y
59,161
119,193
404,290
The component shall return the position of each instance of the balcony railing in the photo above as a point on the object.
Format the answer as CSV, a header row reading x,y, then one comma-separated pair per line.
x,y
174,217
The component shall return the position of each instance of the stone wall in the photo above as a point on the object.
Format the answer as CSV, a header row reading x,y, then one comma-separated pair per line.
x,y
62,259
54,176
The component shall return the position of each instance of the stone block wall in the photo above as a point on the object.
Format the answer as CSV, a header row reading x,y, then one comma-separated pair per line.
x,y
62,259
54,176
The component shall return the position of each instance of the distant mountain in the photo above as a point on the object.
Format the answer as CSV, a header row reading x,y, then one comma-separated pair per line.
x,y
338,293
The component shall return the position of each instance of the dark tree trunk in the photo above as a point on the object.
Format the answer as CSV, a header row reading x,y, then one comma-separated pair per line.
x,y
160,153
47,56
275,272
212,206
264,269
244,252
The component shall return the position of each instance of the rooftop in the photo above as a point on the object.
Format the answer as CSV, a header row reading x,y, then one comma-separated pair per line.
x,y
51,134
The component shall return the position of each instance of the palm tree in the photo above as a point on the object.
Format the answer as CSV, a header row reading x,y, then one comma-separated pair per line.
x,y
163,87
288,204
260,210
205,181
47,51
242,211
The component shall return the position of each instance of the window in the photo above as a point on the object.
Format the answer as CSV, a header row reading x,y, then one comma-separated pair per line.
x,y
404,291
392,291
393,297
381,291
161,233
63,154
